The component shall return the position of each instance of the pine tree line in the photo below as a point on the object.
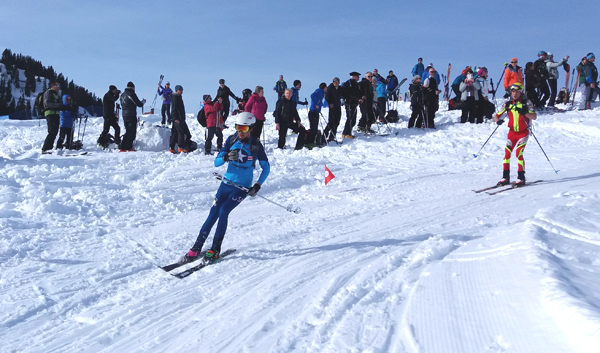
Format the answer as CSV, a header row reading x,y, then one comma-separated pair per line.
x,y
35,73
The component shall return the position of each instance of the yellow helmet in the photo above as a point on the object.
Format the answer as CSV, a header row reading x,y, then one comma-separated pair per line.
x,y
517,86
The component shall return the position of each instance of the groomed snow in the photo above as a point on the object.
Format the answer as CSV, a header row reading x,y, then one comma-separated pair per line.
x,y
396,254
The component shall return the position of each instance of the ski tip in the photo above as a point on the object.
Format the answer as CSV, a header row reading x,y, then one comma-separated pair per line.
x,y
556,171
474,156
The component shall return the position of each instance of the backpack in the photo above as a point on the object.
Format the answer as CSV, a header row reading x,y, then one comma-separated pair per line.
x,y
39,104
392,116
202,117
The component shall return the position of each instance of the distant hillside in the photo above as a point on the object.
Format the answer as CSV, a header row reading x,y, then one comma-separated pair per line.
x,y
22,78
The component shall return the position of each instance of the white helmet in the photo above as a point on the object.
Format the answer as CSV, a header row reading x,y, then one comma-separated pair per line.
x,y
245,119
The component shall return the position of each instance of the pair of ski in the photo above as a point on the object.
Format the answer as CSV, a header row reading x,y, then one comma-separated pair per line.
x,y
201,265
508,187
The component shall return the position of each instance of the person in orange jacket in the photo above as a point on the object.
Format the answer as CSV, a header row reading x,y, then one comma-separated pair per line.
x,y
512,74
520,113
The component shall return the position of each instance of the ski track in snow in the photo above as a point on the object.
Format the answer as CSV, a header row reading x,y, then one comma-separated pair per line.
x,y
396,254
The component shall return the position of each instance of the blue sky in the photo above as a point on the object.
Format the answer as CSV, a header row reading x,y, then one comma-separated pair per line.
x,y
99,43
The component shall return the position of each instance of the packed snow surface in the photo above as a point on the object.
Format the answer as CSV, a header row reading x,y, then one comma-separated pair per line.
x,y
396,254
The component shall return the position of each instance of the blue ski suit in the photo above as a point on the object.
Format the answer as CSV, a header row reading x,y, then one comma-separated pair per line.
x,y
228,196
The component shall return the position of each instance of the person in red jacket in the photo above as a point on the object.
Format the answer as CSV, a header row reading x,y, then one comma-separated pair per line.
x,y
512,74
214,122
257,105
520,113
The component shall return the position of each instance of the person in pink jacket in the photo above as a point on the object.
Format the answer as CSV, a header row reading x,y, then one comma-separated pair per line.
x,y
257,105
214,122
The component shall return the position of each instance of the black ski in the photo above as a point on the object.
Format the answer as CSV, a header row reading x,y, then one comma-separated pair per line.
x,y
514,187
486,189
181,263
200,266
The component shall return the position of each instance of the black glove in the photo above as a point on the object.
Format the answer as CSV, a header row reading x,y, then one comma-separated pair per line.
x,y
500,121
254,189
523,110
231,156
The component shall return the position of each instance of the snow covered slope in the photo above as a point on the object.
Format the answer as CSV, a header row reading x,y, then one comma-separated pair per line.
x,y
396,254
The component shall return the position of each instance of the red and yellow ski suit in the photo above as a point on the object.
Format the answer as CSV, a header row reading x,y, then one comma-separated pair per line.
x,y
518,133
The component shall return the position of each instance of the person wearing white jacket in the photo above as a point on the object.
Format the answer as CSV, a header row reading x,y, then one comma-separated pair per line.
x,y
553,76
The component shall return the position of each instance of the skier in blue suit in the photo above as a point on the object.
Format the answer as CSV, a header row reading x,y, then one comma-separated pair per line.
x,y
241,151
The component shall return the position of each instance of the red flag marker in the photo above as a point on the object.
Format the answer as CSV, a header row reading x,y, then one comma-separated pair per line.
x,y
328,175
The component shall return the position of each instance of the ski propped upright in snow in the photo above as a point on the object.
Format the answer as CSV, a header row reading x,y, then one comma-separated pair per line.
x,y
201,265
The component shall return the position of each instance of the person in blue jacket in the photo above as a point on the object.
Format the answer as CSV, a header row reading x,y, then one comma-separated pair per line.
x,y
316,103
382,96
419,68
296,93
165,93
241,151
66,124
392,83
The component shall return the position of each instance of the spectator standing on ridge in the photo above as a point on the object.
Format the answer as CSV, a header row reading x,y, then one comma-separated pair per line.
x,y
180,132
257,105
52,105
552,68
512,74
392,83
286,117
316,102
377,76
333,96
129,103
214,122
366,106
542,78
280,87
111,119
296,93
591,79
66,123
353,97
419,68
224,93
432,98
417,102
165,93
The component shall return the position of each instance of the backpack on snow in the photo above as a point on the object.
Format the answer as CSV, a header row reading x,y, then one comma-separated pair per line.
x,y
39,104
392,116
201,117
563,96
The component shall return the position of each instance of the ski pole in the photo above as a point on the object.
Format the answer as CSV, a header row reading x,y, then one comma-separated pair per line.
x,y
538,142
500,80
330,129
289,208
84,125
486,141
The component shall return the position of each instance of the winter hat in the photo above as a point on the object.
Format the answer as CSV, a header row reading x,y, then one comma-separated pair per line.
x,y
130,85
542,53
514,59
206,97
221,81
177,88
112,87
354,73
550,54
590,55
168,83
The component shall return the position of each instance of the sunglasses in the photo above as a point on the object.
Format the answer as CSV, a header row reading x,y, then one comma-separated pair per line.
x,y
514,62
242,128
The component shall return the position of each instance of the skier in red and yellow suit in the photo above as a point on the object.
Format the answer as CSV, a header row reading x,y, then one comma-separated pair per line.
x,y
520,113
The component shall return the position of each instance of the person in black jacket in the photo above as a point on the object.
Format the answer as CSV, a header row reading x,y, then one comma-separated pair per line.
x,y
110,118
432,98
286,117
224,93
416,102
334,99
129,104
366,107
180,132
353,97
